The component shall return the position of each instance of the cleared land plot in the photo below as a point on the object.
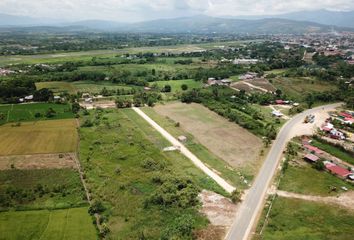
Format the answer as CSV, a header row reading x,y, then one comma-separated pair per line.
x,y
56,136
40,189
176,84
114,154
227,140
38,161
73,223
295,219
304,179
26,112
262,83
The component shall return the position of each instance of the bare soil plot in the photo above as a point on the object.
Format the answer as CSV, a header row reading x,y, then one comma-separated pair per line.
x,y
99,104
263,83
54,136
38,161
230,142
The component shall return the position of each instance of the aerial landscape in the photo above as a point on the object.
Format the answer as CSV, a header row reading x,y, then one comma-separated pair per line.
x,y
176,120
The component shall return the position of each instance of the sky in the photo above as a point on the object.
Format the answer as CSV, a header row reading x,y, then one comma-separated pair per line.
x,y
141,10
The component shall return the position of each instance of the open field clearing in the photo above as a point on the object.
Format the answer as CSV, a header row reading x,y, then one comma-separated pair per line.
x,y
56,136
26,112
295,219
298,87
73,223
209,159
176,84
227,140
38,161
297,178
124,164
56,87
40,189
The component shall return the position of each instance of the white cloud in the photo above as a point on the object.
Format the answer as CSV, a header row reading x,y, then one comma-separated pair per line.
x,y
135,10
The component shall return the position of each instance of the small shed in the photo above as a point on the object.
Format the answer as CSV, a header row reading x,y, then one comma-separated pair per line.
x,y
182,138
311,158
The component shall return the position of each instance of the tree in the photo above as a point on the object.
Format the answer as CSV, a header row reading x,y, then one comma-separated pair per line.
x,y
50,113
310,100
278,92
319,165
181,228
75,107
236,196
43,95
167,88
184,87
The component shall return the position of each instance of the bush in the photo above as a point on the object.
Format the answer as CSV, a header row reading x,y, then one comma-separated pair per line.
x,y
96,207
181,228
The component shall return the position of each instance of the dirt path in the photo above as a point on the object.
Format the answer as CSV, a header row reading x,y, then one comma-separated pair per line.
x,y
222,183
345,200
255,87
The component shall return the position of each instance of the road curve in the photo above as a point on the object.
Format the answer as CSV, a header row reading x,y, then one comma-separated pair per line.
x,y
222,183
252,204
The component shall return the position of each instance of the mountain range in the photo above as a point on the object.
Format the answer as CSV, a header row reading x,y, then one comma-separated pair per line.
x,y
297,22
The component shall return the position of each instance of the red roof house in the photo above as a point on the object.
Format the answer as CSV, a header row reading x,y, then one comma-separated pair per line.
x,y
279,101
313,149
345,115
337,170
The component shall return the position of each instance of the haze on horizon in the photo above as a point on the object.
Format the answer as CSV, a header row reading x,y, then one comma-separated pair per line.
x,y
142,10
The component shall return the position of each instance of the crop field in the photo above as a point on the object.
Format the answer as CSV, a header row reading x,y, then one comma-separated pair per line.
x,y
176,84
56,87
40,189
235,145
297,178
294,219
299,87
72,223
121,165
53,136
26,112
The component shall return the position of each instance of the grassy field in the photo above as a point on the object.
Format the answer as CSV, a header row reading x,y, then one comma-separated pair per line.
x,y
230,142
334,151
114,168
73,223
57,87
220,166
176,84
41,189
26,112
38,137
297,88
304,179
294,219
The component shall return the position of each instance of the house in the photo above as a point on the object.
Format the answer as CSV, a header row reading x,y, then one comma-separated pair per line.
x,y
337,170
311,158
223,82
245,61
345,115
279,102
313,149
29,98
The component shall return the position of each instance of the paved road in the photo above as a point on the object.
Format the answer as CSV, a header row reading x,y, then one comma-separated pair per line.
x,y
253,203
227,187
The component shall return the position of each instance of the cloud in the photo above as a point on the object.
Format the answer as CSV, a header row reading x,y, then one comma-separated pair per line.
x,y
137,10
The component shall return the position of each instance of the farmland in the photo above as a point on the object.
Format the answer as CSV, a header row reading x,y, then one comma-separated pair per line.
x,y
38,137
297,219
176,84
73,223
235,145
40,189
123,168
27,112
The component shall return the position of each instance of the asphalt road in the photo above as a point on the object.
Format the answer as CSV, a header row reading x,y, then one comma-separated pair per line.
x,y
253,203
222,183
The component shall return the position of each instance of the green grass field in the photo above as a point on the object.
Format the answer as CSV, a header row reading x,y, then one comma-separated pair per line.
x,y
73,223
333,150
294,219
176,84
304,179
41,189
57,87
122,141
53,136
297,88
26,112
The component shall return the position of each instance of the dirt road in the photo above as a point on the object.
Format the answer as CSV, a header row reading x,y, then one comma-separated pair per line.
x,y
226,186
